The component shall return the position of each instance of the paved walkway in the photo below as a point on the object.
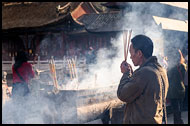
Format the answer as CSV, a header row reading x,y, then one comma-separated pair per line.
x,y
170,119
184,117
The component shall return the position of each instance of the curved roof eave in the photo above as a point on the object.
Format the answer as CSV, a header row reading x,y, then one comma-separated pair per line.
x,y
80,11
28,16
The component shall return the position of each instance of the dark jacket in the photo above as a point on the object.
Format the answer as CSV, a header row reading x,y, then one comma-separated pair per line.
x,y
142,93
177,87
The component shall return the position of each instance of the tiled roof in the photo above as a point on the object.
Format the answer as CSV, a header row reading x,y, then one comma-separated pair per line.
x,y
102,22
105,22
37,14
30,15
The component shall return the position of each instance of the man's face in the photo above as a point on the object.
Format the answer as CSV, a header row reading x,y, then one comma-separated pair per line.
x,y
134,55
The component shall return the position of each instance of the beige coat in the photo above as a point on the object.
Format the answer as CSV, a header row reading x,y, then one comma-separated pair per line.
x,y
142,93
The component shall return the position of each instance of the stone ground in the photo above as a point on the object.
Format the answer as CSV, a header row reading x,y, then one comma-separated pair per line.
x,y
184,117
170,119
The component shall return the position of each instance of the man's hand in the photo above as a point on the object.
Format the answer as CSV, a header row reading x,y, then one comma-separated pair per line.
x,y
125,67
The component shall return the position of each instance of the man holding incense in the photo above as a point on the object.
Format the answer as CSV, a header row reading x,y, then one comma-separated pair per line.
x,y
145,89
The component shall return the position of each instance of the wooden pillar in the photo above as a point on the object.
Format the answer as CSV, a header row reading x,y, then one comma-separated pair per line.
x,y
26,42
100,41
13,61
63,44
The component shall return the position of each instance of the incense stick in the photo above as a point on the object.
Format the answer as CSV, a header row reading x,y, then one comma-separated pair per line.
x,y
53,73
68,61
125,33
129,40
74,67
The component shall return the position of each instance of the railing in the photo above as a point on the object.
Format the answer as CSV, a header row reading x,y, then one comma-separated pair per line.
x,y
44,64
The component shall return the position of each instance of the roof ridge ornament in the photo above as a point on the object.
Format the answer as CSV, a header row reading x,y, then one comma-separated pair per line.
x,y
64,9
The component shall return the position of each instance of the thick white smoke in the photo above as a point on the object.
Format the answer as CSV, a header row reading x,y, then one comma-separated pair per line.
x,y
108,69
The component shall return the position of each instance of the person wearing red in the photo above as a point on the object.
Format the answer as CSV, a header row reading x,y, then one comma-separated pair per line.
x,y
22,73
25,71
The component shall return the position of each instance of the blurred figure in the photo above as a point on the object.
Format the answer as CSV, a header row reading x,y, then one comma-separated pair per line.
x,y
176,91
145,90
90,56
22,73
185,103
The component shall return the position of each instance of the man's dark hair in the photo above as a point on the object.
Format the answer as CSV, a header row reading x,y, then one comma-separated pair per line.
x,y
143,43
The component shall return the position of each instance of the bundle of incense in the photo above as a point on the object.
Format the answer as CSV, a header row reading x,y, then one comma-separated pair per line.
x,y
129,40
125,41
70,68
74,67
75,71
125,34
53,73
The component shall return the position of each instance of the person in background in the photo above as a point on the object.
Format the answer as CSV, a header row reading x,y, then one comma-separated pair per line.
x,y
22,73
185,102
176,91
90,56
145,90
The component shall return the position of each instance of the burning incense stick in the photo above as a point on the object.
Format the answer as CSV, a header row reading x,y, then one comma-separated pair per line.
x,y
68,61
129,40
125,33
53,73
125,41
55,76
74,67
75,72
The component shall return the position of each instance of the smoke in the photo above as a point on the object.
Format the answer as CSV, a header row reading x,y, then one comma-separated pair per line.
x,y
41,107
23,110
103,76
52,43
141,22
108,69
166,42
